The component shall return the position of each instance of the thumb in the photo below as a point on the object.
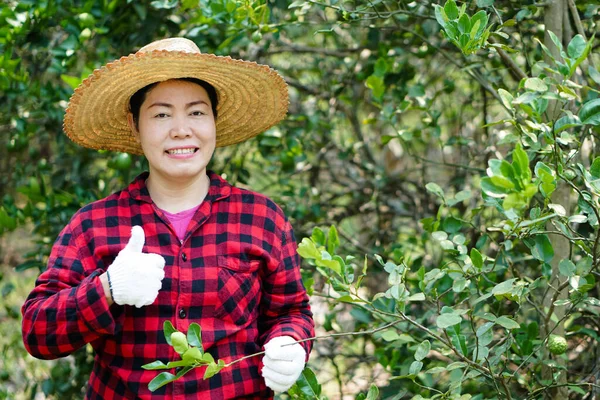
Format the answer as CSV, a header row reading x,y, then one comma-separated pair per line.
x,y
136,241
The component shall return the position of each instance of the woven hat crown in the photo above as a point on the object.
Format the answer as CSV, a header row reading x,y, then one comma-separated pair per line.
x,y
171,44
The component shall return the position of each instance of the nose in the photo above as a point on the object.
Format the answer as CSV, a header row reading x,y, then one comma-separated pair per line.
x,y
180,128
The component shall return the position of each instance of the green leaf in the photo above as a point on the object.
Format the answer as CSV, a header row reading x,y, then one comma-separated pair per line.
x,y
333,241
440,15
164,4
373,393
154,365
476,258
475,29
503,182
208,358
595,168
485,3
180,363
194,335
416,297
451,10
576,47
72,81
435,189
436,370
297,4
491,189
325,260
307,249
446,320
507,98
168,330
503,287
193,354
590,113
567,268
464,24
161,380
380,68
390,335
543,249
479,20
557,43
483,329
521,164
375,83
594,74
507,323
536,85
211,370
308,385
460,284
422,350
566,122
415,367
318,237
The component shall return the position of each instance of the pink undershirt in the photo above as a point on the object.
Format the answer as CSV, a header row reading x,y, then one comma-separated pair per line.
x,y
181,220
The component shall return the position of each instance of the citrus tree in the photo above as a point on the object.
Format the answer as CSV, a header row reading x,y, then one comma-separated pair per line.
x,y
438,164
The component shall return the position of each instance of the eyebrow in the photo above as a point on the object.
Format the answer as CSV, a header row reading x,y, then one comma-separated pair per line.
x,y
188,105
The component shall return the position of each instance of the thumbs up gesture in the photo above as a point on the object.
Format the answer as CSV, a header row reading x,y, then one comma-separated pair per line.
x,y
134,277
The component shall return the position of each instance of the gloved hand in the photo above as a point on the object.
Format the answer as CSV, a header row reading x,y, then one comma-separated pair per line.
x,y
135,277
282,365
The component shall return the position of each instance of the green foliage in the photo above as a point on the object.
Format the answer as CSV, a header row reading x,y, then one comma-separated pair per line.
x,y
450,149
469,34
189,347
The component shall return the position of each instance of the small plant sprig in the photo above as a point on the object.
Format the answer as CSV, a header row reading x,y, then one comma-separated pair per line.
x,y
189,347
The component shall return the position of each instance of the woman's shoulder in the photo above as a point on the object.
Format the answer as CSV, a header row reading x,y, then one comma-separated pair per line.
x,y
249,197
100,209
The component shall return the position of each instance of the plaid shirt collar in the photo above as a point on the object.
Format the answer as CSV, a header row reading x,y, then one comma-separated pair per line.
x,y
219,188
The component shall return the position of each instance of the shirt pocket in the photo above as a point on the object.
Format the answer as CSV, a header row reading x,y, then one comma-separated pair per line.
x,y
238,290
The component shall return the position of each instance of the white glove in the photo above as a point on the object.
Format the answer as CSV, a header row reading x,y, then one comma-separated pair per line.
x,y
135,277
282,365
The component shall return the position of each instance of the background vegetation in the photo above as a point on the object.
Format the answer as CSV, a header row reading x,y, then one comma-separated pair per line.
x,y
452,147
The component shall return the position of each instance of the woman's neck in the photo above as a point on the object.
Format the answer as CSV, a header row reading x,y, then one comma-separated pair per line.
x,y
176,196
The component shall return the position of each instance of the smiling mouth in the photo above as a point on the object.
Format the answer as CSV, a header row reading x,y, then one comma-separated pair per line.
x,y
182,151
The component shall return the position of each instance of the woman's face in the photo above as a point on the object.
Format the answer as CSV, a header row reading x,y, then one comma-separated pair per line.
x,y
177,130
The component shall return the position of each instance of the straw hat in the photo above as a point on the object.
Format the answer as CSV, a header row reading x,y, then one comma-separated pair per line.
x,y
252,97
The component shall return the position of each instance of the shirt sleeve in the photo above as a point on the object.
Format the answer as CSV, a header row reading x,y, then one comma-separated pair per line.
x,y
285,307
67,308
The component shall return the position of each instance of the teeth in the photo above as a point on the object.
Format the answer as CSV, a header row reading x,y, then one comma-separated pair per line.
x,y
181,151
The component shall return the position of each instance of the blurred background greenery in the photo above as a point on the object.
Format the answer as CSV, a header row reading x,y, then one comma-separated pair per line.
x,y
396,110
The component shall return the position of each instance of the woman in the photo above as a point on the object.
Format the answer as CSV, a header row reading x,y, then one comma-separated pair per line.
x,y
179,243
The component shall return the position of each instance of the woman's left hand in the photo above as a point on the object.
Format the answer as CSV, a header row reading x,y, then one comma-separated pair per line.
x,y
283,363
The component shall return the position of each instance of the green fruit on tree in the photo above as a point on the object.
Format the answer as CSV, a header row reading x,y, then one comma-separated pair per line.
x,y
557,344
570,174
122,162
179,341
256,36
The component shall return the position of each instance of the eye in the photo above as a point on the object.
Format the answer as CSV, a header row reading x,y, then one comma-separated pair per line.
x,y
161,115
197,113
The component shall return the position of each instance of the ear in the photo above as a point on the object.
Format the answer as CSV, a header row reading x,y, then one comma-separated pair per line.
x,y
131,123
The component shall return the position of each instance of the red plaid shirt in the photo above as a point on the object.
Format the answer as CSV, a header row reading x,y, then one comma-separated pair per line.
x,y
236,273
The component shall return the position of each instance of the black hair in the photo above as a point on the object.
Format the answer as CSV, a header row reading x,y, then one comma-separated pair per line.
x,y
135,102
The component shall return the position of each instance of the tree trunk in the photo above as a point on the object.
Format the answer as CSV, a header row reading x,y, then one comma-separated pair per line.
x,y
556,20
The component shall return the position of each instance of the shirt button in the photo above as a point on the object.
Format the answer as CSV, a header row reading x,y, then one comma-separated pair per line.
x,y
182,313
184,257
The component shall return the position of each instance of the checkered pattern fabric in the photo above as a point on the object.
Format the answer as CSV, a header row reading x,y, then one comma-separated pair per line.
x,y
236,273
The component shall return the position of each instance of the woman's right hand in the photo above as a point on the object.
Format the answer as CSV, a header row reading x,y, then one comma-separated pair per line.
x,y
134,278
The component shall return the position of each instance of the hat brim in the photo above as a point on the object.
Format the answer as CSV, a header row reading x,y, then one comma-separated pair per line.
x,y
252,97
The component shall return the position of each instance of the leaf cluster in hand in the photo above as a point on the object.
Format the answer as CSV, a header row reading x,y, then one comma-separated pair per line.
x,y
189,347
